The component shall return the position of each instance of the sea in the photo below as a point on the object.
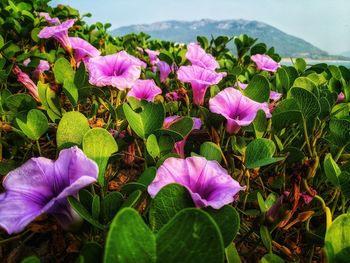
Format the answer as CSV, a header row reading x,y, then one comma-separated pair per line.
x,y
345,63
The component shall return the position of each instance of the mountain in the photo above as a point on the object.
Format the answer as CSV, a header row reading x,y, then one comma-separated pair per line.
x,y
185,32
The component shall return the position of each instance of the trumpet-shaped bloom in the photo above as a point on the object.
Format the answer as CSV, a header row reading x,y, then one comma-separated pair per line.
x,y
200,79
42,186
208,183
238,109
200,58
43,66
179,146
164,70
83,50
145,90
340,97
50,20
119,70
59,32
153,56
27,82
264,62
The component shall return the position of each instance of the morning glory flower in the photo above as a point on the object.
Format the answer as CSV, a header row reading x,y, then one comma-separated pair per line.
x,y
59,32
341,97
208,183
43,66
164,70
153,56
264,62
200,58
50,20
119,70
144,90
83,50
200,79
41,186
27,82
238,109
179,146
26,62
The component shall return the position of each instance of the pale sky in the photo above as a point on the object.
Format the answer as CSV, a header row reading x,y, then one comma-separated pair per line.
x,y
323,23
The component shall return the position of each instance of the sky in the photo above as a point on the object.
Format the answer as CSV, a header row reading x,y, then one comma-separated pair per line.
x,y
323,23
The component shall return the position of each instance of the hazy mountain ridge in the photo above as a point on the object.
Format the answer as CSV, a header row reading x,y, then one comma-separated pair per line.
x,y
184,31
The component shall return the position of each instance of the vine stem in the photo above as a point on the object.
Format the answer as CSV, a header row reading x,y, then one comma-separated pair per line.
x,y
307,138
38,146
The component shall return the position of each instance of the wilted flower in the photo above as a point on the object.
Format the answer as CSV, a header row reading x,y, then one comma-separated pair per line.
x,y
43,66
42,186
27,82
264,62
164,70
200,79
153,56
119,70
208,183
179,146
50,20
59,32
238,109
200,58
83,50
144,90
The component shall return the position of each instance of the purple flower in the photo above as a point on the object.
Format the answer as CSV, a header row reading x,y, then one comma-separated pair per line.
x,y
83,50
200,58
59,32
264,62
26,62
144,90
341,97
50,20
238,109
27,82
153,56
241,85
179,146
119,70
208,183
43,66
42,186
200,79
164,70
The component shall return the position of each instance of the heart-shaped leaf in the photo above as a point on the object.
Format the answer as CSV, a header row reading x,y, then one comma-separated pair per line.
x,y
99,145
35,124
63,71
259,153
211,151
258,89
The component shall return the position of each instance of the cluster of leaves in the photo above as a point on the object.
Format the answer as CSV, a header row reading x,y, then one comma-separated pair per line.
x,y
303,150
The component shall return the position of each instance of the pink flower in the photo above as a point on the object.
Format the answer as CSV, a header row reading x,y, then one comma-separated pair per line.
x,y
238,109
200,79
264,62
43,66
179,146
208,183
144,90
164,70
59,32
341,97
26,62
241,85
49,20
200,58
27,82
119,70
153,56
83,50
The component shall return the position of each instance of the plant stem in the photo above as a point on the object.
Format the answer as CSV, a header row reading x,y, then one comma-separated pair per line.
x,y
307,138
39,149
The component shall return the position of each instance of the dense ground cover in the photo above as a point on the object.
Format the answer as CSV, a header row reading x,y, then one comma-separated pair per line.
x,y
134,150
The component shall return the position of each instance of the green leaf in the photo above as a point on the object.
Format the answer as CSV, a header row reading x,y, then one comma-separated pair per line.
x,y
171,199
227,218
96,207
282,80
111,204
231,253
20,102
307,102
133,199
31,259
337,240
305,83
344,182
63,71
259,153
266,237
286,114
191,236
260,124
147,121
152,146
129,239
99,145
81,210
335,72
71,129
91,252
35,124
183,126
211,151
271,258
147,177
258,89
331,169
300,64
71,91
